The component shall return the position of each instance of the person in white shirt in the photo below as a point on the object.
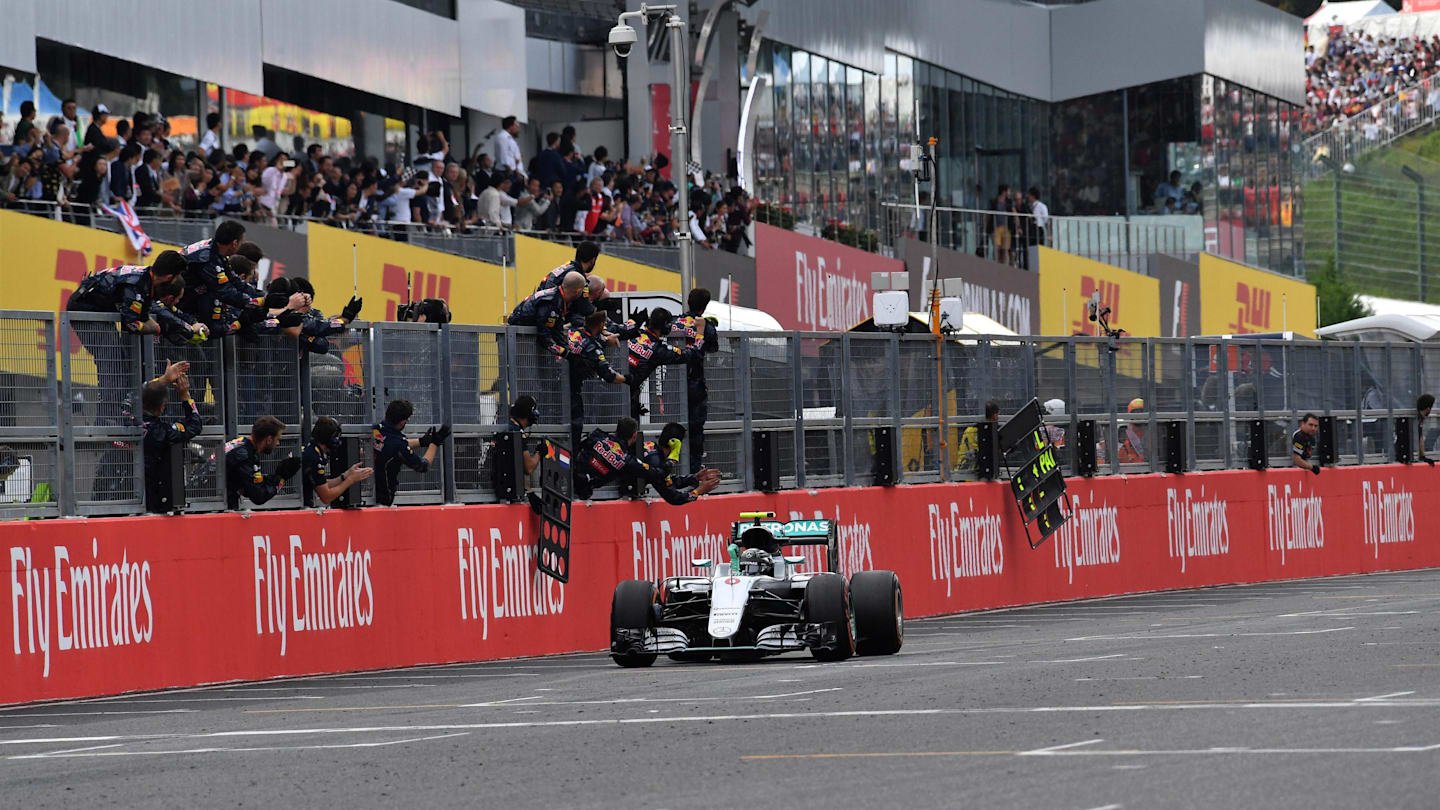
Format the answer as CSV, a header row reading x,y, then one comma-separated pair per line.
x,y
527,213
272,183
697,233
211,140
504,148
496,202
1040,211
396,207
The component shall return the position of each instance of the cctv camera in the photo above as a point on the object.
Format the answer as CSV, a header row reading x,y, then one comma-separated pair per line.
x,y
622,39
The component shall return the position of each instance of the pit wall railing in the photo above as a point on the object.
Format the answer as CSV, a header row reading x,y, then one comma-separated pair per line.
x,y
831,406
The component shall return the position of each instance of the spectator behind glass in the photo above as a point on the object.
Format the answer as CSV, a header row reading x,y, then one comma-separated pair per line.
x,y
26,123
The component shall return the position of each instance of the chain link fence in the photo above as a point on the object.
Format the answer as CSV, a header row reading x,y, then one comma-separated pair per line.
x,y
834,408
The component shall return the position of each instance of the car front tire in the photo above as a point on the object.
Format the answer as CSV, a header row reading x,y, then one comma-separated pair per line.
x,y
632,608
827,602
879,612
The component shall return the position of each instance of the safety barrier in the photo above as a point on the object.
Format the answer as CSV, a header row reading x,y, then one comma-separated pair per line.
x,y
833,402
107,606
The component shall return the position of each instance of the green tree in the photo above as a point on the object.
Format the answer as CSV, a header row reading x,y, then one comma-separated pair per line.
x,y
1338,301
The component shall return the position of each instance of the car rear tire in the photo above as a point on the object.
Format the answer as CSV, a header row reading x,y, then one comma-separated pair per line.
x,y
633,608
879,612
827,602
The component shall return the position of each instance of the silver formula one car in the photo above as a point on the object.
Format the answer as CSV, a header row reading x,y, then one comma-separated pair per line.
x,y
759,603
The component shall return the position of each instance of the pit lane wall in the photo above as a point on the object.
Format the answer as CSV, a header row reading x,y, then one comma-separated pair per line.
x,y
97,607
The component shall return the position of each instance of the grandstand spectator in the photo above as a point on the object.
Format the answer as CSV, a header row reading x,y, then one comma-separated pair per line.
x,y
1355,70
506,151
147,181
27,123
71,119
211,140
122,175
95,134
530,211
264,142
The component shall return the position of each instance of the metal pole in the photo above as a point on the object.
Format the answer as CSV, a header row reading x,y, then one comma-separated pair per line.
x,y
680,148
1419,181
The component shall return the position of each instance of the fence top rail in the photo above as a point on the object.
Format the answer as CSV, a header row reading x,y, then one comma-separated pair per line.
x,y
400,326
99,317
27,315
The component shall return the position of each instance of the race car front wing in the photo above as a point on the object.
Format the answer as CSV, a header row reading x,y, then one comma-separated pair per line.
x,y
775,638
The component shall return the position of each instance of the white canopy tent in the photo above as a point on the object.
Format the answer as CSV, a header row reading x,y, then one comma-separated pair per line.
x,y
1348,13
1394,320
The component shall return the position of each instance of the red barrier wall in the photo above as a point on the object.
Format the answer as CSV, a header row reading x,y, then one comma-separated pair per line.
x,y
107,606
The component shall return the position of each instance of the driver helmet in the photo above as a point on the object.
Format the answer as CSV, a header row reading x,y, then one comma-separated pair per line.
x,y
756,562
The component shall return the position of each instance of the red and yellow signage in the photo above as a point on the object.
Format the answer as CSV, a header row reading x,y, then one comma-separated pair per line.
x,y
391,273
48,259
1240,300
1067,284
534,258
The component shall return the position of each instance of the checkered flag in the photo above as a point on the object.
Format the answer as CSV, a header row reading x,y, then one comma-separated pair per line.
x,y
695,170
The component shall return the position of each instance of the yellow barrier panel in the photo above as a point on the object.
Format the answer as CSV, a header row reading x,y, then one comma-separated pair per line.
x,y
534,258
1067,282
472,287
1238,300
45,261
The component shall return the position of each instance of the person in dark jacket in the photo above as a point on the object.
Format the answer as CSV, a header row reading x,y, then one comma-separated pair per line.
x,y
586,255
605,457
393,450
664,454
320,488
127,291
650,349
161,434
210,290
552,310
242,464
697,329
586,354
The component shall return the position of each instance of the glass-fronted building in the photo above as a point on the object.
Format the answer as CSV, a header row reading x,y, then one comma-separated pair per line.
x,y
1092,111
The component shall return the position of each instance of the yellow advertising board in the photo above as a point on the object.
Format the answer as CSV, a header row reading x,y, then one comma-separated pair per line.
x,y
1240,300
45,260
1067,283
534,258
390,273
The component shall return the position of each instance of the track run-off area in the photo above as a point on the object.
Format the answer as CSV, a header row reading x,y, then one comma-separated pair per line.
x,y
1305,694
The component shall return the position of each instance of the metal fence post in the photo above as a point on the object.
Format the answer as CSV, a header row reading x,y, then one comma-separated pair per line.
x,y
1389,387
68,456
377,367
229,410
1112,430
307,402
798,385
892,360
745,403
447,416
1260,392
1190,404
1227,430
1148,386
1357,400
846,439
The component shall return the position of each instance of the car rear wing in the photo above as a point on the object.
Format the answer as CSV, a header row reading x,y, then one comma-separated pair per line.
x,y
803,532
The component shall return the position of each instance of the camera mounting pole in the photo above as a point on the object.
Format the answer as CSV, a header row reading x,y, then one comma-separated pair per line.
x,y
622,39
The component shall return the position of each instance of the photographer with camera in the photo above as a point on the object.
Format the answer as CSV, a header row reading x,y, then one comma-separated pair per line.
x,y
530,211
393,449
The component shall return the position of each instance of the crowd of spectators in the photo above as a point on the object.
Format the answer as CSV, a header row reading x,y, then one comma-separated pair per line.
x,y
561,189
1353,71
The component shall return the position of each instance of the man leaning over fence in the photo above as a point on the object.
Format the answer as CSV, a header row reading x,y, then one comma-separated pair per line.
x,y
128,291
242,464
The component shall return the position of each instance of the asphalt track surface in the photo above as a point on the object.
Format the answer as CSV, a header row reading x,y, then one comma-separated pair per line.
x,y
1305,694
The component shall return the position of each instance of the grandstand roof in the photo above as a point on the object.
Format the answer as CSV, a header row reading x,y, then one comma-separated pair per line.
x,y
1345,13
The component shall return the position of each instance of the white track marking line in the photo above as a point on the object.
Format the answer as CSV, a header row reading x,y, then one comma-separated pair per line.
x,y
505,702
84,754
105,714
1037,752
1384,697
1144,636
1108,807
643,700
1079,660
817,715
